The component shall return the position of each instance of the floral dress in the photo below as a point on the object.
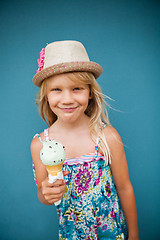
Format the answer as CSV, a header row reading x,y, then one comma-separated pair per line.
x,y
90,208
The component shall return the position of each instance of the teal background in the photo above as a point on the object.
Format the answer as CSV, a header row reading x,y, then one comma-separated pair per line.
x,y
124,37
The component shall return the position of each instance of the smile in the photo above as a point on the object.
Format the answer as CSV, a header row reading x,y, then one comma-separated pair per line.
x,y
68,109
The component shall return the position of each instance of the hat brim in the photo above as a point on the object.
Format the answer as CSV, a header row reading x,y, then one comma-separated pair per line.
x,y
93,67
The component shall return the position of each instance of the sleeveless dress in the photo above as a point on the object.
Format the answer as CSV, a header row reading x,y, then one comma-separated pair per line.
x,y
90,208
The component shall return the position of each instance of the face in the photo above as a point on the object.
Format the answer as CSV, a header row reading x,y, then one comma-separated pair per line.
x,y
67,99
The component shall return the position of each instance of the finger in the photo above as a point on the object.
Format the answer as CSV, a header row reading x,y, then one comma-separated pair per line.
x,y
57,194
47,185
58,190
65,173
58,182
54,192
54,197
54,201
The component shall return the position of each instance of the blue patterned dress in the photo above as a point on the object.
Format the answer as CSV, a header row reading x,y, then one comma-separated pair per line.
x,y
90,208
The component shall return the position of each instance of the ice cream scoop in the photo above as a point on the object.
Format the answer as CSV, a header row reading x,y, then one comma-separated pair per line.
x,y
53,155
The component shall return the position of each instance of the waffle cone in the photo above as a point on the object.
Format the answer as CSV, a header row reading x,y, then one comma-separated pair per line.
x,y
53,170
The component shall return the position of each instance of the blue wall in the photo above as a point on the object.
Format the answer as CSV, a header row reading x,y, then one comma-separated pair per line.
x,y
124,37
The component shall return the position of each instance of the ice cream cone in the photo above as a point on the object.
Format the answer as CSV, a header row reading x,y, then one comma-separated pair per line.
x,y
53,156
55,169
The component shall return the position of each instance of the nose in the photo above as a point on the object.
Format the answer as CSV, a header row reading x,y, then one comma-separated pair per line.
x,y
67,98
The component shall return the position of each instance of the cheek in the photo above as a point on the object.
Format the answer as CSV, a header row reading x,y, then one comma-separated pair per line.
x,y
85,98
49,101
52,100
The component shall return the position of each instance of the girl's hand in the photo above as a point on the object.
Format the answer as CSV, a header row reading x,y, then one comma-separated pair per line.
x,y
53,192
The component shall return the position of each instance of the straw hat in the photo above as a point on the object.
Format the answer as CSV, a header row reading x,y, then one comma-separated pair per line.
x,y
64,56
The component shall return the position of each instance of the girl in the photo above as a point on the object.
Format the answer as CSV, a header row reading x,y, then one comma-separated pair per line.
x,y
97,198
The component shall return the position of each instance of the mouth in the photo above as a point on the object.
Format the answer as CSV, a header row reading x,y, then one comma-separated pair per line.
x,y
68,109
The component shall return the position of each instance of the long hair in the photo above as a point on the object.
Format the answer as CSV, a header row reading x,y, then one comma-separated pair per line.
x,y
96,109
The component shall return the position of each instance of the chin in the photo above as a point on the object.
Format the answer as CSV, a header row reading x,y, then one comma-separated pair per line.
x,y
69,118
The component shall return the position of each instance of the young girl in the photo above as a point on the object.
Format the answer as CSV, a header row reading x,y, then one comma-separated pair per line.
x,y
97,197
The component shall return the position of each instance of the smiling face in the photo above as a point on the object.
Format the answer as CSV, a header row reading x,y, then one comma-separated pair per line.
x,y
67,99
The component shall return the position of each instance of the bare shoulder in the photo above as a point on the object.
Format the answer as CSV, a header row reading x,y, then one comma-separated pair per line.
x,y
113,138
36,145
115,144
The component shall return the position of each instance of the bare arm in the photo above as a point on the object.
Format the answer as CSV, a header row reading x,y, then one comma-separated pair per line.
x,y
124,187
48,193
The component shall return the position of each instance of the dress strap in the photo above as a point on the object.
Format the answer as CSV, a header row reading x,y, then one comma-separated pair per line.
x,y
46,134
104,125
98,140
38,137
96,147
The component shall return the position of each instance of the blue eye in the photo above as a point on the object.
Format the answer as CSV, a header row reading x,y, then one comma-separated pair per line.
x,y
76,89
56,89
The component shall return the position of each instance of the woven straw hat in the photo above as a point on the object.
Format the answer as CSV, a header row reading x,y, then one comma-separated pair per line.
x,y
64,56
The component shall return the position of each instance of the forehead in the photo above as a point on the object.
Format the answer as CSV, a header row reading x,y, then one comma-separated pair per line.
x,y
66,79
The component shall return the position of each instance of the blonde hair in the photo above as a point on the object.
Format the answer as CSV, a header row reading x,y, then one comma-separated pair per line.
x,y
96,109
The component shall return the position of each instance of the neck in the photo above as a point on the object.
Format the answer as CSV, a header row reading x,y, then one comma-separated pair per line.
x,y
68,126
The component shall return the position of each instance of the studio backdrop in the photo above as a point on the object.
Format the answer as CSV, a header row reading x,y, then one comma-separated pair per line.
x,y
124,37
